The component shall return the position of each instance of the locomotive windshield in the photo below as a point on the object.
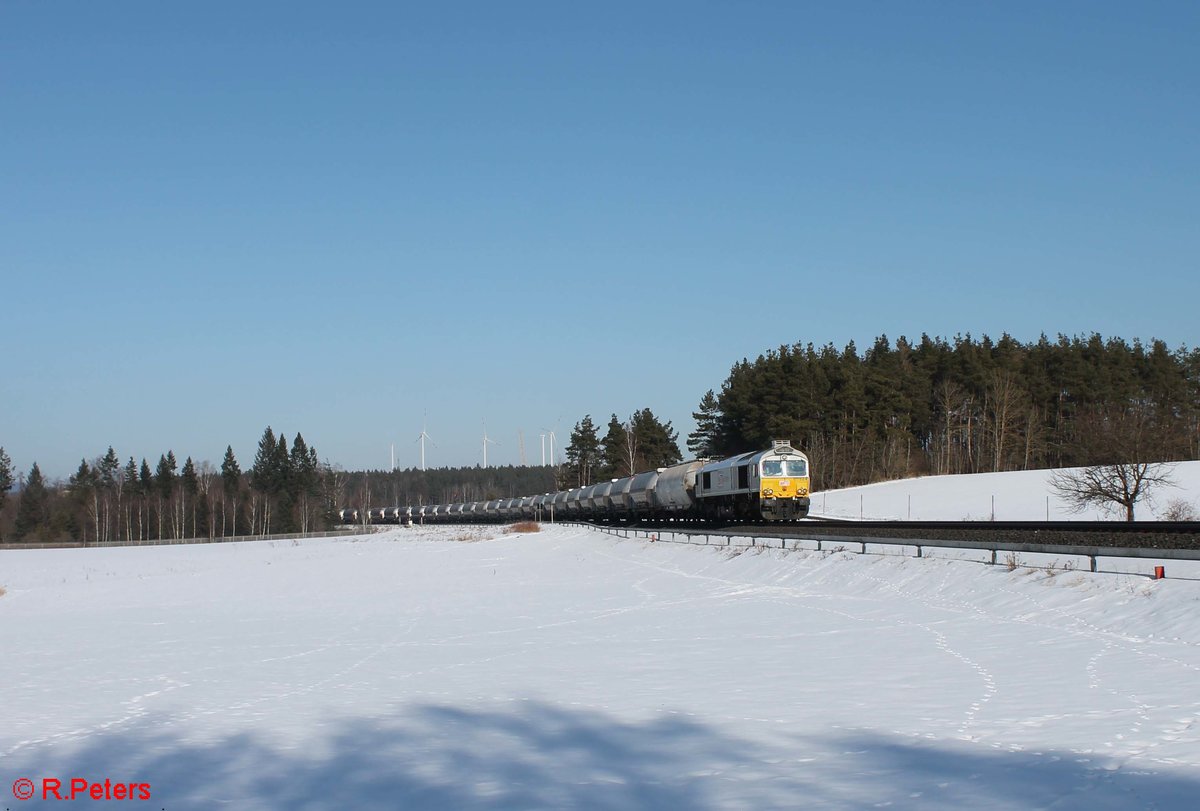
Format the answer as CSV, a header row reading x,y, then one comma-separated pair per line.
x,y
784,467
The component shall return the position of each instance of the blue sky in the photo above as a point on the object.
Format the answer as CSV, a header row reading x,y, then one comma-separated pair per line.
x,y
332,218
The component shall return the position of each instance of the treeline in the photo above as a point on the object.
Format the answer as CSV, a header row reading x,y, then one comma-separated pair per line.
x,y
933,406
967,406
285,490
641,442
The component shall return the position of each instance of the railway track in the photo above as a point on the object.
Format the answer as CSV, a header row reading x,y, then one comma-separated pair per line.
x,y
1127,535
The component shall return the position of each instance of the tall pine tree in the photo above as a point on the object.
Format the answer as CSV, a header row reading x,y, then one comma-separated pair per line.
x,y
189,486
657,443
6,478
305,478
146,490
615,450
131,490
164,482
231,487
583,453
702,442
33,507
108,473
263,479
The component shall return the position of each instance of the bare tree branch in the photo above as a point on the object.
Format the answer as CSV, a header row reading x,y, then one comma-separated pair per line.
x,y
1110,486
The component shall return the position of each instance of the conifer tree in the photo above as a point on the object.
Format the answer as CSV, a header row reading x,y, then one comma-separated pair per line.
x,y
6,478
304,479
6,471
189,487
145,490
132,489
83,485
109,484
281,468
33,511
702,442
614,450
280,490
657,442
263,478
231,485
583,452
164,480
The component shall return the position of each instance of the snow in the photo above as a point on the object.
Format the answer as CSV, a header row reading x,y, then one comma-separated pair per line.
x,y
451,667
1013,496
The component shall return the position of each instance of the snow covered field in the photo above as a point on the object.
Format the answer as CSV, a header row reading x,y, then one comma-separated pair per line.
x,y
1011,496
461,668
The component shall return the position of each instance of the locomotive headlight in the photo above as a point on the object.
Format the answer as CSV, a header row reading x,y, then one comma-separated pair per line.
x,y
768,492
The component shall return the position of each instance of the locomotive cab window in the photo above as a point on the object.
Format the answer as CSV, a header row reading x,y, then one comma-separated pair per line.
x,y
784,467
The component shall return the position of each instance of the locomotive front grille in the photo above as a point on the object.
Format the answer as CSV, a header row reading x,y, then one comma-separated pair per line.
x,y
784,487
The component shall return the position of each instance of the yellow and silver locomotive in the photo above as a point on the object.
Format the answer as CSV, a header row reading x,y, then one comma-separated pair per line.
x,y
771,485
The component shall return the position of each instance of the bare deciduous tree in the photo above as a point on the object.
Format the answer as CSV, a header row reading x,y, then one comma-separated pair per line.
x,y
1004,396
206,475
1121,440
1120,485
1180,510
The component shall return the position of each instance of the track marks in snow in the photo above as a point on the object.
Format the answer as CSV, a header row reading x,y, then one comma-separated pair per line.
x,y
130,710
1147,729
1136,724
813,601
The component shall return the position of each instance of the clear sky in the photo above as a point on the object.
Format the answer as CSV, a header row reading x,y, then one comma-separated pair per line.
x,y
332,218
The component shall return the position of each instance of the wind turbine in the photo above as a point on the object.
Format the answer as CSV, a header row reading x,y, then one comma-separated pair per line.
x,y
551,435
421,438
485,443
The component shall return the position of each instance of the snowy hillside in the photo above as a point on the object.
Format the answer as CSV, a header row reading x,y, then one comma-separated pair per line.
x,y
1014,496
460,668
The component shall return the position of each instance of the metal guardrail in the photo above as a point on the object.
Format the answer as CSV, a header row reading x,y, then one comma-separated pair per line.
x,y
285,536
1096,556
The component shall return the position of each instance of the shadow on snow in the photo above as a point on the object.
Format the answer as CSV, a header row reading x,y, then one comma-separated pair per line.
x,y
532,755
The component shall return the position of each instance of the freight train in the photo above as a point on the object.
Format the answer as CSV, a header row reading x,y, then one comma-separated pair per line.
x,y
771,485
